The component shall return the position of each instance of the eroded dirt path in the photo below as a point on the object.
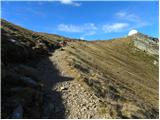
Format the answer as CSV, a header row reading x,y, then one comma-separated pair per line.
x,y
78,100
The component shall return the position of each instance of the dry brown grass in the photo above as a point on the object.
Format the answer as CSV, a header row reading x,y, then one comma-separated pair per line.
x,y
132,70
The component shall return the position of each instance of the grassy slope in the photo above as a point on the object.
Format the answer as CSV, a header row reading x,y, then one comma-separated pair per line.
x,y
130,71
19,33
128,74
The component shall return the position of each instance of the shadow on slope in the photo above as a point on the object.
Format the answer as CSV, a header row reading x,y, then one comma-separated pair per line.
x,y
51,76
37,99
28,77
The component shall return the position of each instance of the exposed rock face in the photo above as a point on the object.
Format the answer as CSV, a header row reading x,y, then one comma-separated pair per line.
x,y
147,44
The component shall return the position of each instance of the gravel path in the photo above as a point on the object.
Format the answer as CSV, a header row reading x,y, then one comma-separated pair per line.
x,y
73,99
79,102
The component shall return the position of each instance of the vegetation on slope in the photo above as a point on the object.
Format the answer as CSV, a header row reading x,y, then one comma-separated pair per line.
x,y
122,76
23,91
126,75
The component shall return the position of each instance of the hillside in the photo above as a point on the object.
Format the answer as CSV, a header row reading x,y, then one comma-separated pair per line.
x,y
49,76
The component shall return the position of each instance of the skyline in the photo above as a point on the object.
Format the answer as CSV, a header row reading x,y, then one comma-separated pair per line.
x,y
79,19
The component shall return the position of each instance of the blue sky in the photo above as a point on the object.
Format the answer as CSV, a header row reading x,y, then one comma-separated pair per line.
x,y
90,20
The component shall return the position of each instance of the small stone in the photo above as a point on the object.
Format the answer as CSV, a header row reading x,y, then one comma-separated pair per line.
x,y
155,62
94,106
83,104
90,117
63,88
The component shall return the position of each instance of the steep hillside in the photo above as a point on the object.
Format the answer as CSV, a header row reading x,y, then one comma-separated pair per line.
x,y
49,76
23,91
123,77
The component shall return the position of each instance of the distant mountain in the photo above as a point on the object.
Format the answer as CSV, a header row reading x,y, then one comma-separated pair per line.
x,y
50,76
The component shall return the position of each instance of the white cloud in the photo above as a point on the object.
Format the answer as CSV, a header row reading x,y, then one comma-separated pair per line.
x,y
115,27
133,19
69,28
86,29
76,28
90,33
70,2
124,15
82,38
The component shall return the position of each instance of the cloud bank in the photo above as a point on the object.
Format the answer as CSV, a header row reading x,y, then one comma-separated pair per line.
x,y
76,28
124,21
115,27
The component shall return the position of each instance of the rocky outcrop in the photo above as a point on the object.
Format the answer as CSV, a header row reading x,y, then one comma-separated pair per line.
x,y
147,44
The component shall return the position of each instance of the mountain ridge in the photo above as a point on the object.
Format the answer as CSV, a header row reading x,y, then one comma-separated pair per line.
x,y
69,78
5,21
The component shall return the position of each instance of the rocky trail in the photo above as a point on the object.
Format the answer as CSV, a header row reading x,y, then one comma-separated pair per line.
x,y
74,100
49,76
